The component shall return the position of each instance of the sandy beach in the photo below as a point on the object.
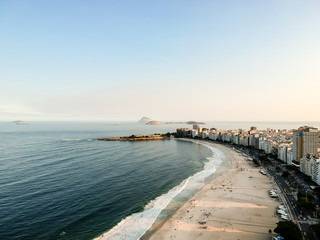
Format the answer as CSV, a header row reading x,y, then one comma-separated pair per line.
x,y
233,204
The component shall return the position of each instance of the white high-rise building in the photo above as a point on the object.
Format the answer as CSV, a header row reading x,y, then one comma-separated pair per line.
x,y
306,165
316,171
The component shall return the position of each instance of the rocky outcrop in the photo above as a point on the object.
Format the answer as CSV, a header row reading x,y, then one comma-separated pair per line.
x,y
137,138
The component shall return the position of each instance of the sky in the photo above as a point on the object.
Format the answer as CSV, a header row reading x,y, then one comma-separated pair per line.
x,y
170,60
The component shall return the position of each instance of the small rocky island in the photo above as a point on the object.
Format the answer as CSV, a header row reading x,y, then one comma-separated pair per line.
x,y
154,123
145,120
149,121
138,138
19,122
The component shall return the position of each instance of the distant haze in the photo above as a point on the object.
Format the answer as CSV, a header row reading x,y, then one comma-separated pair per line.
x,y
168,60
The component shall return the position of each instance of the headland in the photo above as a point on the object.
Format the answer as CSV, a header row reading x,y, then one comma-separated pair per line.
x,y
137,138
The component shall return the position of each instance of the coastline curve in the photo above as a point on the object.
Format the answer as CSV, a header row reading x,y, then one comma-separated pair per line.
x,y
136,225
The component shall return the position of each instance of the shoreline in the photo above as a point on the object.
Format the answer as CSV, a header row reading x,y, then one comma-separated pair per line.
x,y
173,207
137,225
233,202
234,188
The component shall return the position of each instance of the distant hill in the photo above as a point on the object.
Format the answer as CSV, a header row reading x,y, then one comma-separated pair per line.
x,y
149,121
145,120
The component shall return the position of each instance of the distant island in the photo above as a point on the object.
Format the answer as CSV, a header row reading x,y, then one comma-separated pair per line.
x,y
149,121
137,138
154,123
20,122
189,122
145,120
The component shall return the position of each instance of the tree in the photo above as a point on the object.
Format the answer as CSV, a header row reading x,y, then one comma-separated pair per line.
x,y
305,203
307,178
317,192
263,158
316,229
288,230
285,174
256,162
290,167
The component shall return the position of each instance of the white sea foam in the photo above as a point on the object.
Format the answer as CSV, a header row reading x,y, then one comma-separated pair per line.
x,y
134,226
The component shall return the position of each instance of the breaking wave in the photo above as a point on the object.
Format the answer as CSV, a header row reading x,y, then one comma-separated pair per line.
x,y
134,226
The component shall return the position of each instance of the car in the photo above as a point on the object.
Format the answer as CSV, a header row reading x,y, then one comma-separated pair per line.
x,y
282,212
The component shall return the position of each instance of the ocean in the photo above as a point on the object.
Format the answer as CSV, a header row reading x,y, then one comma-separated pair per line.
x,y
57,183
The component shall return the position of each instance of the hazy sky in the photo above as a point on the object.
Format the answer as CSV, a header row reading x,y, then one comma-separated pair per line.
x,y
168,60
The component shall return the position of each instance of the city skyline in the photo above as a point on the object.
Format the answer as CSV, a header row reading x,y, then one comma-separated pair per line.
x,y
207,60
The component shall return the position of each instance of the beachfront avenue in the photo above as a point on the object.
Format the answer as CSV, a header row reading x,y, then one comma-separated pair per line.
x,y
271,144
288,197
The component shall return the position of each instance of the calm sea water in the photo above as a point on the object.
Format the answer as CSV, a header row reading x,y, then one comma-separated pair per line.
x,y
56,183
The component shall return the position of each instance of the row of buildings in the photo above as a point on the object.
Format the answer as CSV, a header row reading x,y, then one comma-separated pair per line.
x,y
298,147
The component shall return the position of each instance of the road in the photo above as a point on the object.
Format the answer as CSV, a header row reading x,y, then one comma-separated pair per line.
x,y
298,217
